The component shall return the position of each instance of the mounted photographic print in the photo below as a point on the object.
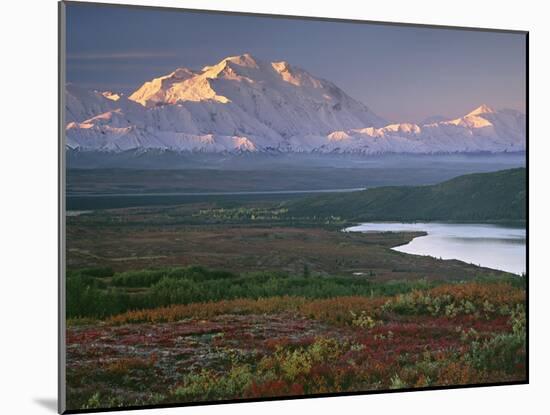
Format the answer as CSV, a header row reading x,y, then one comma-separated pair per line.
x,y
258,207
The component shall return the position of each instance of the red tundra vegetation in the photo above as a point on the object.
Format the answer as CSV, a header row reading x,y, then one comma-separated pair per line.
x,y
451,334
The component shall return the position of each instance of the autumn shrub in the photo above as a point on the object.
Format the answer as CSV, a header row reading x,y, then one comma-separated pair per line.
x,y
276,387
110,399
326,349
435,369
123,366
208,385
362,320
362,311
503,351
81,321
334,310
93,402
292,363
343,310
457,372
397,383
458,299
204,310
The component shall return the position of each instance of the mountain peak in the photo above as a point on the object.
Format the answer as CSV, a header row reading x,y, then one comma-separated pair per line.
x,y
482,109
246,59
155,90
182,73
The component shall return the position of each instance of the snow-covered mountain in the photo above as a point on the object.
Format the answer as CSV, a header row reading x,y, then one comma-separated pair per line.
x,y
482,130
242,104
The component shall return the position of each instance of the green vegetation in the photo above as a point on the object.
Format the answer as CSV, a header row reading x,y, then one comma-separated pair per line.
x,y
498,196
97,272
89,297
99,298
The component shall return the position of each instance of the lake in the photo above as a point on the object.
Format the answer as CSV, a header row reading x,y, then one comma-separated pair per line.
x,y
86,201
492,246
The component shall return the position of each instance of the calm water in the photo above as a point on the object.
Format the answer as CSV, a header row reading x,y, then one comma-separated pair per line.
x,y
491,246
87,201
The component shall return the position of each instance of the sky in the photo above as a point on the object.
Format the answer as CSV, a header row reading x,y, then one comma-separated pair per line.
x,y
402,73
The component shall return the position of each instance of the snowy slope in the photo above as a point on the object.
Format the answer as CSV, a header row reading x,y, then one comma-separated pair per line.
x,y
81,104
482,130
242,104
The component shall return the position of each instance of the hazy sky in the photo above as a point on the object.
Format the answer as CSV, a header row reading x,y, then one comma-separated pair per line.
x,y
401,73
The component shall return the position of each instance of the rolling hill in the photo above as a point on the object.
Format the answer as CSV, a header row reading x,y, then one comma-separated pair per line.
x,y
497,196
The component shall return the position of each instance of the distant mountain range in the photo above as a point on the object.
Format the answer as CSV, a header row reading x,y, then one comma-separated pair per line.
x,y
245,105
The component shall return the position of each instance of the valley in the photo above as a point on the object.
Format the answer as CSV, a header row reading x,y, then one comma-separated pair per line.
x,y
167,290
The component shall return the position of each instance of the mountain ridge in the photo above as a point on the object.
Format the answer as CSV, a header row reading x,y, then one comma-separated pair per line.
x,y
242,104
485,197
